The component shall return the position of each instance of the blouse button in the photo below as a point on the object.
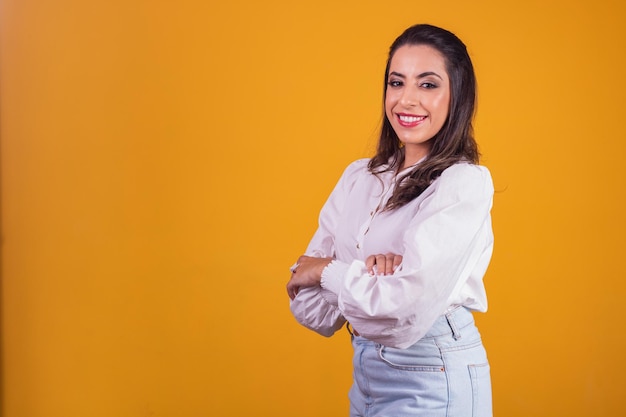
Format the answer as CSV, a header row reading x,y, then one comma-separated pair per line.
x,y
358,246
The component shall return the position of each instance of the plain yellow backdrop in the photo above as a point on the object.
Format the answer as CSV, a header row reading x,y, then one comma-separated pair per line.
x,y
163,163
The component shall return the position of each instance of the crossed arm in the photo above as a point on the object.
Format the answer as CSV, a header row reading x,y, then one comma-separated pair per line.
x,y
307,272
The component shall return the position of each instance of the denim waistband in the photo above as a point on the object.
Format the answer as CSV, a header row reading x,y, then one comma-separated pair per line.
x,y
452,322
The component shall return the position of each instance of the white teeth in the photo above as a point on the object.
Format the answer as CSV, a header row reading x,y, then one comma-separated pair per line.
x,y
411,119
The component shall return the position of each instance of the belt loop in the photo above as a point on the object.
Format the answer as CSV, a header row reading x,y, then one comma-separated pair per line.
x,y
351,330
456,335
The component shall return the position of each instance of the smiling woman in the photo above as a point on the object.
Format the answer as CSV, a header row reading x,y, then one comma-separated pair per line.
x,y
404,241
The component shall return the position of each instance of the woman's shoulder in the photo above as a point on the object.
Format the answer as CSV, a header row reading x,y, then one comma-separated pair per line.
x,y
356,168
467,169
355,172
358,165
467,177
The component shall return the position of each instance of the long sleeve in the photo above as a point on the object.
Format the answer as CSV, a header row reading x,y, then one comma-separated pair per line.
x,y
446,247
316,308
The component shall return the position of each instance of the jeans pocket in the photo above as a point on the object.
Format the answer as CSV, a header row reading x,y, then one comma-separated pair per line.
x,y
416,358
481,390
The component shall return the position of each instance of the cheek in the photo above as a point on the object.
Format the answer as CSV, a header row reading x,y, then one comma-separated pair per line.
x,y
387,109
443,106
389,103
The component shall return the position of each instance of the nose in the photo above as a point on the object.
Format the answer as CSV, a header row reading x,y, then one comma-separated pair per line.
x,y
410,96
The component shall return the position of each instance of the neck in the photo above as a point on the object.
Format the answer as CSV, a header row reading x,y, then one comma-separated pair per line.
x,y
414,153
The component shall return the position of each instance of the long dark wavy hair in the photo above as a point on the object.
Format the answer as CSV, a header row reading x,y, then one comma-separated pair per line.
x,y
455,141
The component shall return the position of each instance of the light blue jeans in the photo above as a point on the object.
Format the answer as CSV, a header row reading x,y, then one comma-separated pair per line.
x,y
445,374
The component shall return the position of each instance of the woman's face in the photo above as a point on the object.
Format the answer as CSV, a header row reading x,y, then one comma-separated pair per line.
x,y
417,100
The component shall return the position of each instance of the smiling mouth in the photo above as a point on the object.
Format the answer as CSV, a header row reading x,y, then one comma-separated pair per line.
x,y
407,120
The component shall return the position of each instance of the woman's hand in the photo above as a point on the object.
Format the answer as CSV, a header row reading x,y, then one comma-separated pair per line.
x,y
383,264
307,272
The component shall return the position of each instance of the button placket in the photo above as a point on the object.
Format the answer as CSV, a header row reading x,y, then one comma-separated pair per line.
x,y
366,226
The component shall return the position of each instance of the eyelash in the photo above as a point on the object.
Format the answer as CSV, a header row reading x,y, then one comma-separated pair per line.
x,y
427,85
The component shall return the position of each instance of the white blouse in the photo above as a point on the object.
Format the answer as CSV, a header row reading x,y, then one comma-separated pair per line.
x,y
444,236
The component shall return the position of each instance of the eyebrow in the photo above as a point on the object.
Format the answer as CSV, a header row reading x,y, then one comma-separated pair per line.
x,y
422,75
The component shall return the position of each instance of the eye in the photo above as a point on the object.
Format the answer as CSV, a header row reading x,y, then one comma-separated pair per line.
x,y
428,85
394,83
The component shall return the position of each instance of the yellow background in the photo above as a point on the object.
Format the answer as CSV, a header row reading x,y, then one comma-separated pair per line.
x,y
163,164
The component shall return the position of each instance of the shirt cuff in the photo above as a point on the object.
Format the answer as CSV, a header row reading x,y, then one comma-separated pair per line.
x,y
333,276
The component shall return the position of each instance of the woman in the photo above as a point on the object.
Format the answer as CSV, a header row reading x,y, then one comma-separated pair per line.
x,y
404,241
